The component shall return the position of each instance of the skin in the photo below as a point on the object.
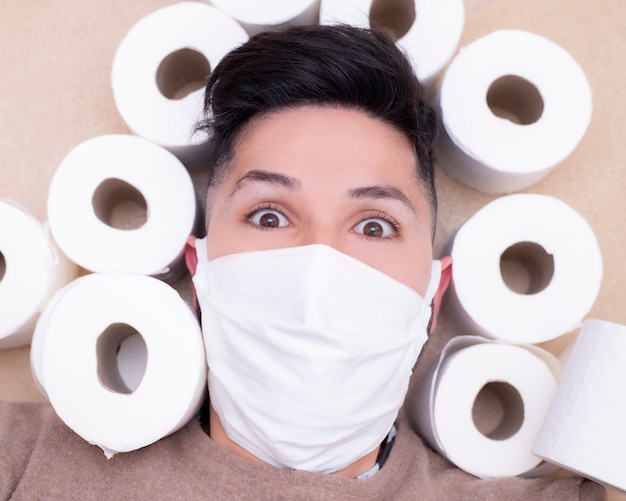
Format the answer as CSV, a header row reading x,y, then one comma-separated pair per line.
x,y
330,176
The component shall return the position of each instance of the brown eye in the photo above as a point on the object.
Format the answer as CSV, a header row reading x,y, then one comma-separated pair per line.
x,y
375,228
269,219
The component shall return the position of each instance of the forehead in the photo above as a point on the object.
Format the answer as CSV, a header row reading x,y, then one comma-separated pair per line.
x,y
336,136
338,147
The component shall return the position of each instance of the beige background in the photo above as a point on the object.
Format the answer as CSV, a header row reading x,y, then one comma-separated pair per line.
x,y
55,92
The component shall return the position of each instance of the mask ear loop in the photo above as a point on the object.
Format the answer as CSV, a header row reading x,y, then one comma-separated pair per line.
x,y
201,251
429,295
433,284
197,258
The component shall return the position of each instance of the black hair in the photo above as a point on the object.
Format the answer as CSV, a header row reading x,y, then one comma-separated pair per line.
x,y
339,66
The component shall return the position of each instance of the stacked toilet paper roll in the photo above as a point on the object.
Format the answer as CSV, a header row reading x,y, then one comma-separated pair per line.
x,y
482,403
255,16
123,203
31,269
555,254
76,359
428,30
512,105
584,427
160,68
131,354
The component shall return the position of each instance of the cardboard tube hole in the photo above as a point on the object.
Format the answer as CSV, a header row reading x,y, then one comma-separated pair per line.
x,y
120,205
3,266
498,410
181,73
395,17
108,346
515,99
526,268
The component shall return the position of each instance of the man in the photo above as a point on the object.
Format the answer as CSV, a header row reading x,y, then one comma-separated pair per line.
x,y
317,289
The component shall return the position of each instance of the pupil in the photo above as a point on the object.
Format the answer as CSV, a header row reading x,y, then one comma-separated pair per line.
x,y
374,229
269,220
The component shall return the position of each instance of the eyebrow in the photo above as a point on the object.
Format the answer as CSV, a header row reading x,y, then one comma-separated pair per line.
x,y
375,192
263,176
383,192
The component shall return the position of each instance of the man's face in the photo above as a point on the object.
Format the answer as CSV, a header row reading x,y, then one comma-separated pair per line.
x,y
315,175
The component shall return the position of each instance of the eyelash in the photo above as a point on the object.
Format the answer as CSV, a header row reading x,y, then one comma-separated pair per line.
x,y
267,206
374,215
388,219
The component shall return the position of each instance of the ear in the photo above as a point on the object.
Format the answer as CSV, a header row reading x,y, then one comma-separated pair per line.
x,y
191,258
446,276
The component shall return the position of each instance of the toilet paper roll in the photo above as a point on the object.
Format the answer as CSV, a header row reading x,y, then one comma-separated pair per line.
x,y
255,16
584,427
41,325
555,254
78,363
31,269
131,354
512,106
485,440
160,67
428,30
122,203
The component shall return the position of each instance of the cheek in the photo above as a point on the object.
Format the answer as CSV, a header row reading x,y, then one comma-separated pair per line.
x,y
410,264
412,272
415,276
228,234
215,244
222,234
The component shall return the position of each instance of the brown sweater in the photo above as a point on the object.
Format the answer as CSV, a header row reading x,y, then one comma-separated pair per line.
x,y
40,458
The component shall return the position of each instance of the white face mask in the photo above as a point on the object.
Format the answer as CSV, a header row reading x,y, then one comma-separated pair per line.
x,y
310,351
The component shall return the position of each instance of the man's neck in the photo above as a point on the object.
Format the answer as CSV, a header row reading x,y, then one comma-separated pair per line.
x,y
218,435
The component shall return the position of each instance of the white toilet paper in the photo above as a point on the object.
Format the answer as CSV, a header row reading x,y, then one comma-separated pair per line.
x,y
108,175
555,248
31,269
428,30
255,16
38,335
584,427
159,71
78,366
513,105
444,406
131,356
